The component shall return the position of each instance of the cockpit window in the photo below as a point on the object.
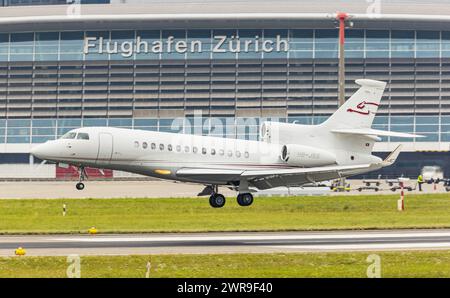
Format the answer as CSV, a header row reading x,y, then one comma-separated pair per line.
x,y
82,136
69,135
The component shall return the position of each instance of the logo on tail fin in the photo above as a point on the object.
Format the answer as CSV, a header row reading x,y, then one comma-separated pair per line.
x,y
361,108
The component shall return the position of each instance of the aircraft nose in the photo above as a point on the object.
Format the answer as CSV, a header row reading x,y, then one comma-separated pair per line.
x,y
38,151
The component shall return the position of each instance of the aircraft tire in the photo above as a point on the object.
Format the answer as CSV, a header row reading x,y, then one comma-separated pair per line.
x,y
245,199
217,200
80,186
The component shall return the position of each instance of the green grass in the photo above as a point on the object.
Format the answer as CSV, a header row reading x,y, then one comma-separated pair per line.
x,y
393,264
195,214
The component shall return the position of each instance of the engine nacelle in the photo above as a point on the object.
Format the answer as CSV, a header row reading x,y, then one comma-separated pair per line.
x,y
300,155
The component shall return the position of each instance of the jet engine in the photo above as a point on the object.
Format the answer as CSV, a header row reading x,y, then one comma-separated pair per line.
x,y
305,156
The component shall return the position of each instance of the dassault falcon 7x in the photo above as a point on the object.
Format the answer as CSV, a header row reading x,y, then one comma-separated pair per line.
x,y
288,154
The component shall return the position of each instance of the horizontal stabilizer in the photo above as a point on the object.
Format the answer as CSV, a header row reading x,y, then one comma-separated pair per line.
x,y
375,132
392,157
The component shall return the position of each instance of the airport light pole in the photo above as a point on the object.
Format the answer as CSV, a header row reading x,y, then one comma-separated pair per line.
x,y
342,19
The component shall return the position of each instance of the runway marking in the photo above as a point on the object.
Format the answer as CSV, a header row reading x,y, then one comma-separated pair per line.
x,y
250,237
364,246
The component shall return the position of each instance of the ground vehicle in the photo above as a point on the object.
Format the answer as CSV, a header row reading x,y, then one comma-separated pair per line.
x,y
432,173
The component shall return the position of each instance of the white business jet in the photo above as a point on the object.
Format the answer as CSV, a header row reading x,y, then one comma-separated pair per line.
x,y
288,154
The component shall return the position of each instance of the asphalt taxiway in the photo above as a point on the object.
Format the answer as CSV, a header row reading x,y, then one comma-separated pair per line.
x,y
208,243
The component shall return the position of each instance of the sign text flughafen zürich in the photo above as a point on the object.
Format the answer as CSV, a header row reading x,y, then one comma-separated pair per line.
x,y
220,44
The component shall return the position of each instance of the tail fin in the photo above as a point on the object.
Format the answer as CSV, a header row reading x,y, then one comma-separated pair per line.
x,y
360,109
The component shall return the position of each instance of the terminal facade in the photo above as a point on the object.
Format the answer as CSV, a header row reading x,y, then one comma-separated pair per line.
x,y
147,72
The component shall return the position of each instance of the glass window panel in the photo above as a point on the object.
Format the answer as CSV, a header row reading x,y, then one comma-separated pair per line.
x,y
301,35
72,42
223,51
377,54
151,38
4,43
354,35
377,35
18,140
427,128
120,122
428,36
402,120
146,122
445,137
377,46
69,122
402,128
178,47
19,123
326,54
248,40
125,44
445,128
402,36
94,122
94,52
427,120
2,123
44,123
326,35
22,39
43,131
301,54
18,131
42,139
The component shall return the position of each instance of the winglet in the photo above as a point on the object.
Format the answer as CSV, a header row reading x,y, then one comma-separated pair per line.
x,y
392,157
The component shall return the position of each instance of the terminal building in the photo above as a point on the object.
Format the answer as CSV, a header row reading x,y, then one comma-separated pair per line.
x,y
147,64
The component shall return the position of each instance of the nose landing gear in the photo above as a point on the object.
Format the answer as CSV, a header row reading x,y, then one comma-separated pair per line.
x,y
82,173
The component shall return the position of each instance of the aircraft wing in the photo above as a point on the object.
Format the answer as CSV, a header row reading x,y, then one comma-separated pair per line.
x,y
265,179
375,132
300,176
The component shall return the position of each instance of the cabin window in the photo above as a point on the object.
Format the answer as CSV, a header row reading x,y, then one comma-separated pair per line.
x,y
195,150
238,154
153,146
144,145
178,148
136,144
169,147
246,154
82,136
230,153
69,136
161,147
204,151
186,149
221,152
213,151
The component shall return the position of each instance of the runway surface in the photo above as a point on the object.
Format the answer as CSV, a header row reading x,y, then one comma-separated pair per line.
x,y
156,189
207,243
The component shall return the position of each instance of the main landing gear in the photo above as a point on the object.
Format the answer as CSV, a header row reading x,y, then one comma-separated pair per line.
x,y
245,199
82,173
217,200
